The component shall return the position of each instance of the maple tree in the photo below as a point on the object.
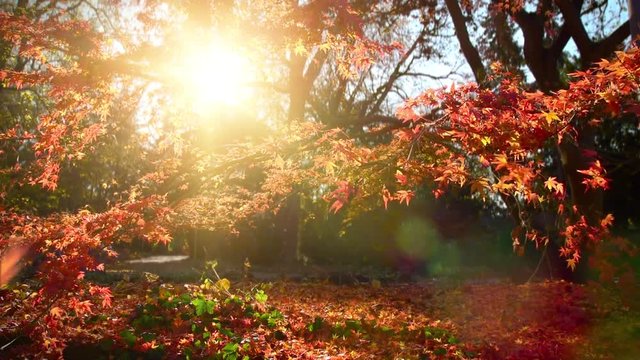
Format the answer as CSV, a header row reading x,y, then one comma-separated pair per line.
x,y
546,27
487,136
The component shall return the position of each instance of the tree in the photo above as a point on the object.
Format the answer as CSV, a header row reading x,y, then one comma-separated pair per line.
x,y
546,27
57,64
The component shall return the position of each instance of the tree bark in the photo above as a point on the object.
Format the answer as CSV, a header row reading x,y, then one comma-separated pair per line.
x,y
542,62
634,19
302,74
288,222
470,52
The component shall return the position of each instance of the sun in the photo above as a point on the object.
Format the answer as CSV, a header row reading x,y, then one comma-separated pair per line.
x,y
212,75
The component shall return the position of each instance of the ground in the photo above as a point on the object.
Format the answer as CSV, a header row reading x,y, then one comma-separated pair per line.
x,y
158,317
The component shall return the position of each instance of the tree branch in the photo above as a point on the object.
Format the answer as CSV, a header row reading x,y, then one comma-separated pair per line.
x,y
605,47
571,14
470,52
561,41
383,91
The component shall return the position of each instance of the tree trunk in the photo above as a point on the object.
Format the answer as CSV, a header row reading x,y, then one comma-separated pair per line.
x,y
288,219
590,202
289,230
469,51
573,156
634,19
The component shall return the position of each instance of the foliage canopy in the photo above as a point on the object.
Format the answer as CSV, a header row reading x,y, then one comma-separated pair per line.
x,y
102,142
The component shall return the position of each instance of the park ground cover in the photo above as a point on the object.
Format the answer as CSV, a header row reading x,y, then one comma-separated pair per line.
x,y
491,319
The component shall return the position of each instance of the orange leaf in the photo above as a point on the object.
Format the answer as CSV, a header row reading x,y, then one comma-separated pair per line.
x,y
336,206
551,183
56,312
607,221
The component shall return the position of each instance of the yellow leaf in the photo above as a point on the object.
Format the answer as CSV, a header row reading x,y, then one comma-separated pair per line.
x,y
300,49
329,167
550,117
279,162
551,183
56,312
500,161
223,284
479,186
325,47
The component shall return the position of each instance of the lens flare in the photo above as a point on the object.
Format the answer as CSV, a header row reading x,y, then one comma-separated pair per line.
x,y
211,75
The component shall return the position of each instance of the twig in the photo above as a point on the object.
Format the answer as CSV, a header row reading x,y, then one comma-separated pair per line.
x,y
32,322
544,254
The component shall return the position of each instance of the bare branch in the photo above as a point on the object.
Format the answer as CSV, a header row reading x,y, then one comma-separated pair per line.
x,y
468,49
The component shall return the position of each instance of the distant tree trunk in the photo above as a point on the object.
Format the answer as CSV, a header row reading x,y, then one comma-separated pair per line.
x,y
75,198
289,230
469,51
287,221
573,156
303,70
634,19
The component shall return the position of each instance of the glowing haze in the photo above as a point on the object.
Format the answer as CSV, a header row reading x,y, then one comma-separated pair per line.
x,y
211,74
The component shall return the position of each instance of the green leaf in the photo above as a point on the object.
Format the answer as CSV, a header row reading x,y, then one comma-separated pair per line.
x,y
353,325
164,293
128,337
317,324
185,298
435,333
226,332
230,348
230,351
200,305
203,306
211,305
261,297
273,317
386,329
